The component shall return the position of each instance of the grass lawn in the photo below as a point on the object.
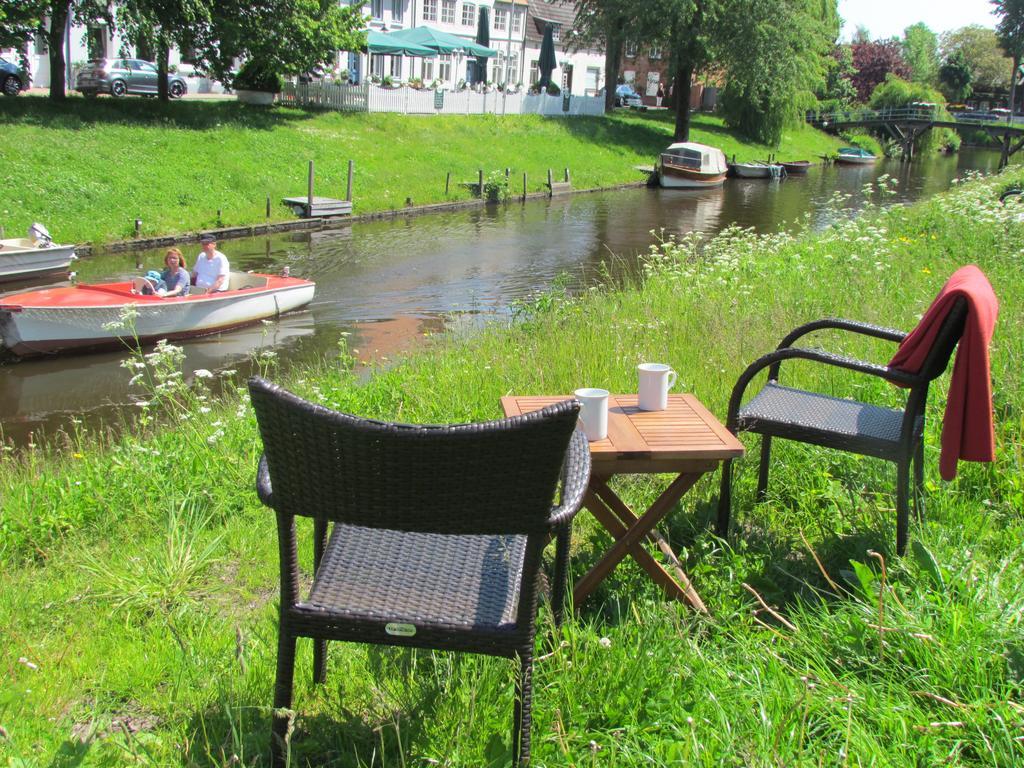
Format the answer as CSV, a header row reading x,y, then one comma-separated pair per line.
x,y
139,577
88,169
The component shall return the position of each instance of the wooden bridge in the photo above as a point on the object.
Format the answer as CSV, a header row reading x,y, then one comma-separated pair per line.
x,y
907,124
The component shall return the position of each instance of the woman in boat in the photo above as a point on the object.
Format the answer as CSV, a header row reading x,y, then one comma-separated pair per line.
x,y
176,276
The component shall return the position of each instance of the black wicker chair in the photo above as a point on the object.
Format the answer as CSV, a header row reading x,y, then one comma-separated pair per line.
x,y
438,532
847,425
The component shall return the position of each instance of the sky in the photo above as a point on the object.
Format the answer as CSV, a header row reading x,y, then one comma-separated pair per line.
x,y
888,18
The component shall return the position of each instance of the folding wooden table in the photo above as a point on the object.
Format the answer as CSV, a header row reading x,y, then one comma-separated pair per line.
x,y
685,440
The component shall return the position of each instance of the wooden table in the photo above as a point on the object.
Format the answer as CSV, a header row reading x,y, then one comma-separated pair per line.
x,y
685,440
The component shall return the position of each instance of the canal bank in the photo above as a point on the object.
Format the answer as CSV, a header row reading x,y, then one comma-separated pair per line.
x,y
125,643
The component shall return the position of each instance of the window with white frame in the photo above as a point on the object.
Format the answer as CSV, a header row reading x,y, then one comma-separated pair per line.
x,y
655,54
468,14
513,69
397,11
518,15
428,71
534,72
396,67
447,11
500,19
429,11
377,9
444,67
556,32
377,65
497,68
630,50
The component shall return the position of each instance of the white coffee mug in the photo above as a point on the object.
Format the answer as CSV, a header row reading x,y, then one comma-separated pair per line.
x,y
593,412
656,380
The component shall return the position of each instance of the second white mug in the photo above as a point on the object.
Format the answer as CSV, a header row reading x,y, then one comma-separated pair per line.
x,y
593,412
656,380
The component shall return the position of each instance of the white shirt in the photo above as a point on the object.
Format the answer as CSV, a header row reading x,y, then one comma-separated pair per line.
x,y
208,270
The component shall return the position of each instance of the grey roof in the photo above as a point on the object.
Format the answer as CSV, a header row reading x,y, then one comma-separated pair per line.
x,y
540,12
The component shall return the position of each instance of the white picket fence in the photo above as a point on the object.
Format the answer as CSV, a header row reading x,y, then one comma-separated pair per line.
x,y
410,101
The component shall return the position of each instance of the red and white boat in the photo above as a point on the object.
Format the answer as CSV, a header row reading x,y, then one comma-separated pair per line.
x,y
92,316
687,165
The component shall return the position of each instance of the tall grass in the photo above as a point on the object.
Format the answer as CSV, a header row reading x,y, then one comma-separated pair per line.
x,y
90,168
863,659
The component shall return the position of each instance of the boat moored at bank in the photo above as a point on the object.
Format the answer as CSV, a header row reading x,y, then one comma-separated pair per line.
x,y
688,165
25,258
855,156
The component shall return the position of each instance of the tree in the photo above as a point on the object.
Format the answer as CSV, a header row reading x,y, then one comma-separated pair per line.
x,y
873,61
163,24
771,79
1010,31
989,65
896,93
921,53
283,36
19,21
606,24
838,90
693,33
955,77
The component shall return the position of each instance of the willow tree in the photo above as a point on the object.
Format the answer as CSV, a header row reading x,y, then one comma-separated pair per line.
x,y
772,78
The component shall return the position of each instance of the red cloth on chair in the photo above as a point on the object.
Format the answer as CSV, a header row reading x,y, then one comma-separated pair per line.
x,y
967,429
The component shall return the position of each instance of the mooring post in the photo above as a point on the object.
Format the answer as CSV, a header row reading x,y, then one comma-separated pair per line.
x,y
268,206
524,186
507,172
480,182
348,186
566,175
549,179
138,225
447,182
309,191
219,224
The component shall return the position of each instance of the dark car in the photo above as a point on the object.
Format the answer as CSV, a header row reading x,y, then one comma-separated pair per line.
x,y
119,77
13,79
626,96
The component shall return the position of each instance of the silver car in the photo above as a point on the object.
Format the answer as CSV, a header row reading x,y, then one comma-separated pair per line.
x,y
119,77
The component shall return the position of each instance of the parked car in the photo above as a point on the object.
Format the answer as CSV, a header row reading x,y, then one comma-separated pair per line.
x,y
626,96
119,77
13,79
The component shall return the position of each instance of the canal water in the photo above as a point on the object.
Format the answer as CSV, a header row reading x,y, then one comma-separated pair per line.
x,y
387,283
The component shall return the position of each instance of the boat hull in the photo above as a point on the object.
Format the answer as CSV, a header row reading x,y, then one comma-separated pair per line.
x,y
19,260
40,330
797,167
673,177
855,160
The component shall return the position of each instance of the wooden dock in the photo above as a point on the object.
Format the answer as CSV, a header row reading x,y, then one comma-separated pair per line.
x,y
321,206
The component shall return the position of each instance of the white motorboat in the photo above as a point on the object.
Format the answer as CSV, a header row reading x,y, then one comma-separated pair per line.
x,y
88,317
687,165
23,258
757,170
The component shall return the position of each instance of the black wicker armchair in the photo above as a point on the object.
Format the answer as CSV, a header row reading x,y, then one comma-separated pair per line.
x,y
895,435
438,532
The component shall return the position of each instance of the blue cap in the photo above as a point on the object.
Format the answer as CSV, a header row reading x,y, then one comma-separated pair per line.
x,y
153,275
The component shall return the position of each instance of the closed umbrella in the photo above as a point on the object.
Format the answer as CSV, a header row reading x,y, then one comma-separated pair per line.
x,y
483,38
547,62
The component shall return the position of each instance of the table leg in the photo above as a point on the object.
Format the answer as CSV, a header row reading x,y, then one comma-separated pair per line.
x,y
627,518
631,536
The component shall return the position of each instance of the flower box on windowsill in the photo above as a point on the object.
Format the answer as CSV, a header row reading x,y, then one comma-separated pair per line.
x,y
261,98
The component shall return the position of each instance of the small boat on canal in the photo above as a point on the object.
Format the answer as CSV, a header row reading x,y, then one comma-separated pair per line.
x,y
757,170
89,317
855,156
688,165
24,258
796,167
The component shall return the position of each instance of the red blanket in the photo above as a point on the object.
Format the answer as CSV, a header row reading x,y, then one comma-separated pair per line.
x,y
967,430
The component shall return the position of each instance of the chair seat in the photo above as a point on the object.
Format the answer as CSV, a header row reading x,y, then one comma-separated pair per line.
x,y
823,420
425,579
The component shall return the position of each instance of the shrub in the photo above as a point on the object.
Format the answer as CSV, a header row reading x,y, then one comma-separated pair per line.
x,y
554,90
896,93
257,76
496,188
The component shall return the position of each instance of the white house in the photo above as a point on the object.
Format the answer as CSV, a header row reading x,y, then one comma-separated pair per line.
x,y
580,73
457,17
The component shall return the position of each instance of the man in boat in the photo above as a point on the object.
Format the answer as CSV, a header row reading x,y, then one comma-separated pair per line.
x,y
211,267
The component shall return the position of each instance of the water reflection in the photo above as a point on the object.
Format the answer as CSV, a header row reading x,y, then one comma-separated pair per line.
x,y
389,282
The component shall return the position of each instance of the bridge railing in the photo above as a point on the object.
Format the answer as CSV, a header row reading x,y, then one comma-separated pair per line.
x,y
897,115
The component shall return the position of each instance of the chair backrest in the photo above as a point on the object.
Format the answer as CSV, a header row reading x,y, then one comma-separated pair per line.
x,y
946,339
488,478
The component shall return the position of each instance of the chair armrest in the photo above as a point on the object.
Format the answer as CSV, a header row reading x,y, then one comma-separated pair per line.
x,y
772,360
263,487
575,479
838,323
855,326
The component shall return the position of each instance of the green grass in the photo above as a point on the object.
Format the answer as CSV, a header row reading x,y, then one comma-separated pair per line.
x,y
179,671
88,169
